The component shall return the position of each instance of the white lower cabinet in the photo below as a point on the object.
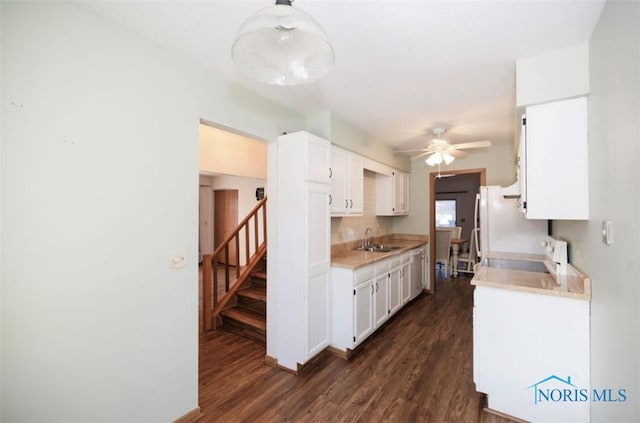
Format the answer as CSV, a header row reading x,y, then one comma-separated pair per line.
x,y
363,311
531,354
363,299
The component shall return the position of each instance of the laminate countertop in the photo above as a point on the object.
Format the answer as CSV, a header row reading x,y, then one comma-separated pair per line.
x,y
574,284
346,256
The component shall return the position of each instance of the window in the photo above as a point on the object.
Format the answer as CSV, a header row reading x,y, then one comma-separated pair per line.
x,y
446,213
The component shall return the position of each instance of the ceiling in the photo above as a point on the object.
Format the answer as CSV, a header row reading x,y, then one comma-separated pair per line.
x,y
402,67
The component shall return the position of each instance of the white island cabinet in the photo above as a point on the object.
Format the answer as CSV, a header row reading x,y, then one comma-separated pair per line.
x,y
300,207
365,298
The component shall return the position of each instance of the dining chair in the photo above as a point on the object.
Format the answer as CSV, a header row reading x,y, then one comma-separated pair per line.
x,y
443,249
456,232
469,259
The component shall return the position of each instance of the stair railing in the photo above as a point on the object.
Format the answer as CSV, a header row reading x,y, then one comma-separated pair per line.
x,y
213,301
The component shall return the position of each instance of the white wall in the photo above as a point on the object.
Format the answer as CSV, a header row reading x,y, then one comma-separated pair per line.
x,y
343,134
498,160
562,73
99,185
231,154
614,137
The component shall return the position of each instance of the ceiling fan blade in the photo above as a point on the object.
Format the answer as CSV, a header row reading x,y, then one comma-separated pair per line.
x,y
476,144
411,151
421,155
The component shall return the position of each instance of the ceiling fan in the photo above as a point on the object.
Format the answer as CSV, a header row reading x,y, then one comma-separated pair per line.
x,y
441,150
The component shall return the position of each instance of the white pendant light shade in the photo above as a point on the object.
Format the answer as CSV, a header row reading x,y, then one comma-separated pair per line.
x,y
438,157
434,159
448,158
282,45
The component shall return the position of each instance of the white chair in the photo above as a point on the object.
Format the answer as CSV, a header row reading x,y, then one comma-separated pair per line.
x,y
456,232
469,258
443,248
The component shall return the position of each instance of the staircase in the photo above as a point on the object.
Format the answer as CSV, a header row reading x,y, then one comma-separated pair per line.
x,y
239,304
248,317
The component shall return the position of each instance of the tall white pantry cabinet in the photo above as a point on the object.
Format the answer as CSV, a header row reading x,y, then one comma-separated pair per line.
x,y
303,257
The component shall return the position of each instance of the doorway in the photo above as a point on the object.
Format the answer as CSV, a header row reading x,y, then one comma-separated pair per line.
x,y
225,220
461,191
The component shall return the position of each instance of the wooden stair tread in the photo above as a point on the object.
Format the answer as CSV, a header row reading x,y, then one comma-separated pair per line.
x,y
259,274
247,317
254,292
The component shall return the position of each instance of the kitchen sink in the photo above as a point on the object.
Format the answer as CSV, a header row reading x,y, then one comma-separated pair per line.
x,y
377,248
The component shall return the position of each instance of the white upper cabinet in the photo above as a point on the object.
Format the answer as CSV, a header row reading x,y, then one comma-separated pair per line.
x,y
392,194
347,181
556,177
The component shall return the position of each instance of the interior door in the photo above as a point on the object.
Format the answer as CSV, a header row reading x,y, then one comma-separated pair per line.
x,y
225,221
206,220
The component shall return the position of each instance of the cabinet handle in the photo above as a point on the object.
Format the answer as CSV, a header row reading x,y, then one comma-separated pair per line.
x,y
346,204
372,289
330,172
350,204
330,199
376,286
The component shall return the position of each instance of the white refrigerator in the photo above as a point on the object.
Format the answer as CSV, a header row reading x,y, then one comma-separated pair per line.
x,y
503,228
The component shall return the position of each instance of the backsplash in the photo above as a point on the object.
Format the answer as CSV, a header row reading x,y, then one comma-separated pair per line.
x,y
345,229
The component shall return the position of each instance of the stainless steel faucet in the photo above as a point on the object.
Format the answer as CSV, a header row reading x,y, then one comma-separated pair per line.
x,y
368,236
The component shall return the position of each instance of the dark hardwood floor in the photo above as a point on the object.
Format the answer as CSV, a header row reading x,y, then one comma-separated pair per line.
x,y
416,368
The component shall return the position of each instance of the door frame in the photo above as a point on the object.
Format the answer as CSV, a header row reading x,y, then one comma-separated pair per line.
x,y
432,217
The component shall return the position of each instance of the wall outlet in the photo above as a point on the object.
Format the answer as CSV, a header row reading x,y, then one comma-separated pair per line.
x,y
178,259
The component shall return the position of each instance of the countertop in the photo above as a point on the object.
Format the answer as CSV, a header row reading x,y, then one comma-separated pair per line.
x,y
346,256
574,284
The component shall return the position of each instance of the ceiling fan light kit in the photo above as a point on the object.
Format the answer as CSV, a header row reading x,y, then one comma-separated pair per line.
x,y
282,45
440,149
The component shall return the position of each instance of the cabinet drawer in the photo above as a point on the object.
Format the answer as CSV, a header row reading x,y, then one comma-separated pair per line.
x,y
382,267
362,275
395,262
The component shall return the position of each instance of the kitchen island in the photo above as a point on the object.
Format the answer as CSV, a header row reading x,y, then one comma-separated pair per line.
x,y
531,340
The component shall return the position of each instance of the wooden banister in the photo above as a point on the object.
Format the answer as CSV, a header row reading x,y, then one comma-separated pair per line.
x,y
212,302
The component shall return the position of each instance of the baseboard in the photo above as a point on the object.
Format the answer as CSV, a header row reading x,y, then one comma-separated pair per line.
x,y
503,415
343,354
191,417
271,361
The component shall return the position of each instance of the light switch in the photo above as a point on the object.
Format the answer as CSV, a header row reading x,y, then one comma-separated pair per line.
x,y
607,234
178,259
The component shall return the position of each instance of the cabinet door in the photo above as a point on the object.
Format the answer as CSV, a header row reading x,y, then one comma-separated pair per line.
x,y
381,299
397,192
318,159
339,175
405,278
556,147
405,193
318,256
395,290
363,311
356,184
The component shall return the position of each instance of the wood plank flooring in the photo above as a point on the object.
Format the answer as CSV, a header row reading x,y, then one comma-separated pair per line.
x,y
416,368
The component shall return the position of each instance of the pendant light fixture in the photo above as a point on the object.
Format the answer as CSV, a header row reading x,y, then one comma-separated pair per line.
x,y
282,45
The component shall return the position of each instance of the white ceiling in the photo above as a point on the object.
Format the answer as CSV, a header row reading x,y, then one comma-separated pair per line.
x,y
402,67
